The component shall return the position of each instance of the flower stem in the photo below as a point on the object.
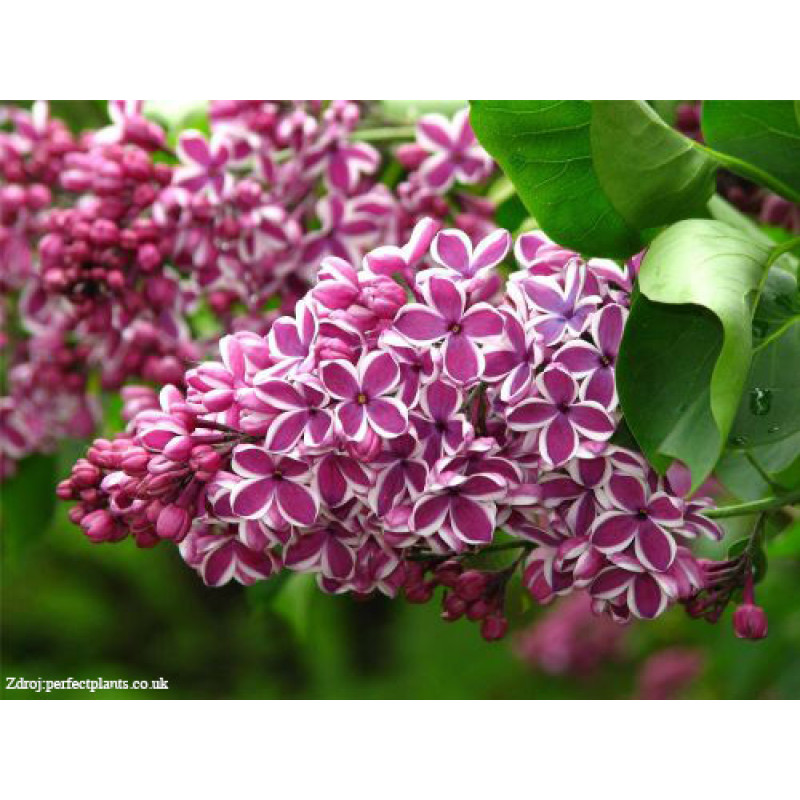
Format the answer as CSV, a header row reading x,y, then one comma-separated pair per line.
x,y
384,134
753,507
760,470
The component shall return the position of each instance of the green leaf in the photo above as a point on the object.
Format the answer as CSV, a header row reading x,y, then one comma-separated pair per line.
x,y
787,543
664,373
723,211
27,501
595,175
686,350
770,407
759,139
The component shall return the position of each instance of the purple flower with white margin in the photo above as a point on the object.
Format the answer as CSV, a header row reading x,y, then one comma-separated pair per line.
x,y
459,508
639,516
363,392
621,591
389,259
453,250
596,362
445,318
562,418
330,549
291,340
272,486
575,494
301,413
455,152
129,125
343,233
400,474
416,365
440,428
343,162
220,558
515,365
203,163
564,312
339,477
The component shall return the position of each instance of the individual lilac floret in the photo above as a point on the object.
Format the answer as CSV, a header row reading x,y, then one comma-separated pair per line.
x,y
561,417
446,318
271,487
363,392
447,151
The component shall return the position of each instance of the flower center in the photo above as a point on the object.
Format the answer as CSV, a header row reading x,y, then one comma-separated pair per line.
x,y
605,361
563,408
642,513
455,328
361,399
277,475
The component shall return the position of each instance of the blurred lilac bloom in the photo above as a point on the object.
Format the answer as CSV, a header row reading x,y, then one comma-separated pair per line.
x,y
455,152
344,233
343,162
562,419
203,162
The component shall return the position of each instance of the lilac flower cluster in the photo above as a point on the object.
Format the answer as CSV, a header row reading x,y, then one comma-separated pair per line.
x,y
413,410
115,250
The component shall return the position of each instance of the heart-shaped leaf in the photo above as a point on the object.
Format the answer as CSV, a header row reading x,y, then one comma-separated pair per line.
x,y
687,347
595,175
759,139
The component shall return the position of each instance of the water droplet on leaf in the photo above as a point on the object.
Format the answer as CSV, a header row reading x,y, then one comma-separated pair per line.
x,y
773,428
760,401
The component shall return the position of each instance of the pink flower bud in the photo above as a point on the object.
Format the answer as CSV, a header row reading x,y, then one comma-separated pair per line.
x,y
179,449
750,622
494,628
173,522
453,608
471,585
98,525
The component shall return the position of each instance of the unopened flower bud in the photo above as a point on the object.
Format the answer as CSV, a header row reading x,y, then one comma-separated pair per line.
x,y
750,622
173,522
494,628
